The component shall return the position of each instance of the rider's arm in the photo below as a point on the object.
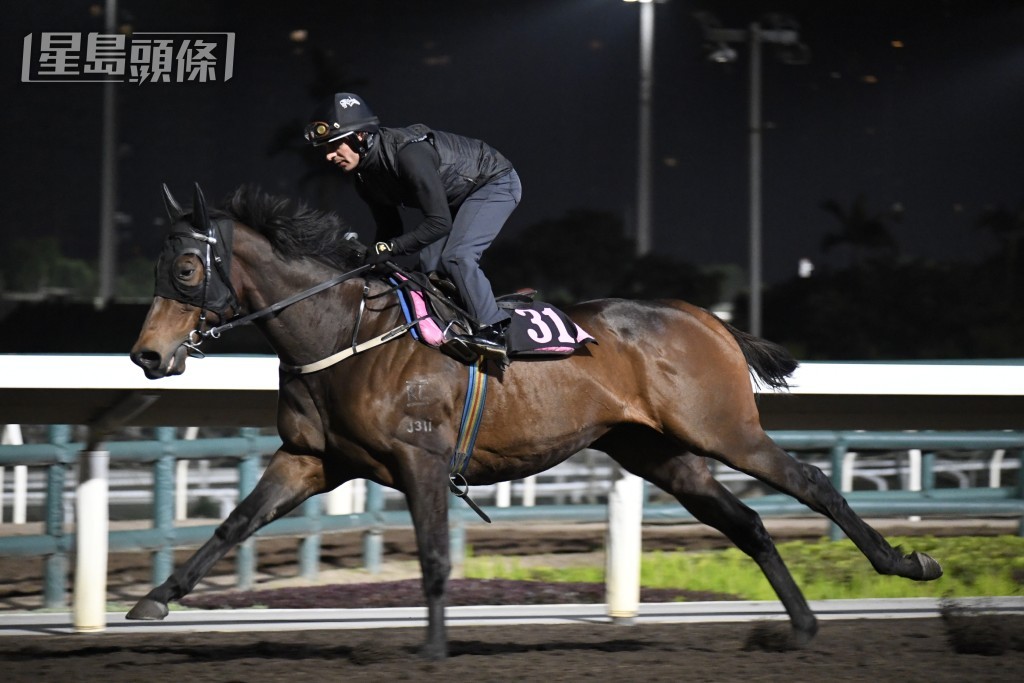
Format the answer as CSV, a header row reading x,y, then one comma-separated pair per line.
x,y
417,167
386,216
388,220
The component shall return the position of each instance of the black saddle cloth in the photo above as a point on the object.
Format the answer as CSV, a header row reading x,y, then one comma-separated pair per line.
x,y
537,329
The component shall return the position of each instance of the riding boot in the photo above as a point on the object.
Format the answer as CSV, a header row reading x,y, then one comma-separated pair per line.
x,y
488,341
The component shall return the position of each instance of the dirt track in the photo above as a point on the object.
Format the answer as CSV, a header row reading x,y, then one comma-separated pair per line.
x,y
342,557
886,650
876,651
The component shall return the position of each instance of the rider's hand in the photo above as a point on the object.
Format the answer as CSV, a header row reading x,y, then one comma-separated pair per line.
x,y
382,251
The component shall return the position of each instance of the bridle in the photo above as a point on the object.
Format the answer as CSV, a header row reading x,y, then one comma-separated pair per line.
x,y
196,336
210,243
216,267
239,321
212,240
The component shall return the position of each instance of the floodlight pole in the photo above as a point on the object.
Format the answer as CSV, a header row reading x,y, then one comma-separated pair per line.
x,y
755,37
646,97
108,181
754,125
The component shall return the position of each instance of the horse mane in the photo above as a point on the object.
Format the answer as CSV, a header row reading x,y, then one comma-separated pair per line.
x,y
295,230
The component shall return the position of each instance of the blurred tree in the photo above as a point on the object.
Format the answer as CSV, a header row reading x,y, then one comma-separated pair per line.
x,y
1007,226
135,279
585,255
655,276
867,234
890,311
576,257
328,77
37,265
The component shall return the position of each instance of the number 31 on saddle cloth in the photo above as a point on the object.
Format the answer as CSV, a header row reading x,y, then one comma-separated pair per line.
x,y
537,329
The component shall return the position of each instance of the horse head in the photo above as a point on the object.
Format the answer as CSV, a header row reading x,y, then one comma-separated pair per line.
x,y
192,280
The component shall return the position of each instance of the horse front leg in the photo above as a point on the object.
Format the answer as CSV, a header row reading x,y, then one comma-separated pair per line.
x,y
288,480
426,491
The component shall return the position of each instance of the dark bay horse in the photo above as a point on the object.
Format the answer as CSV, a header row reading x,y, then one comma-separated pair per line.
x,y
667,385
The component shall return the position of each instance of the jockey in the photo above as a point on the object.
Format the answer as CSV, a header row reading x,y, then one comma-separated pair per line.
x,y
465,189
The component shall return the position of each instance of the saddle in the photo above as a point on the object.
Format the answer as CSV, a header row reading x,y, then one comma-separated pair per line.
x,y
537,329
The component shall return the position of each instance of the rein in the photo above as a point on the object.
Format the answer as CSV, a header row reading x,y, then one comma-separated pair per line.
x,y
215,332
356,347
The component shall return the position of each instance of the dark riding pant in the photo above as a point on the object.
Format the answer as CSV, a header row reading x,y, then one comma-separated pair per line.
x,y
475,225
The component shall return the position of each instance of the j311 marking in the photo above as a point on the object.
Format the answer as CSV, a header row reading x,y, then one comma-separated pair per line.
x,y
419,426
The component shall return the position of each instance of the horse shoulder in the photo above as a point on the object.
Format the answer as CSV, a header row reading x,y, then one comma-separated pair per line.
x,y
299,421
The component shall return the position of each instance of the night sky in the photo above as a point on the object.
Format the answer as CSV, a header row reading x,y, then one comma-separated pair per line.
x,y
933,127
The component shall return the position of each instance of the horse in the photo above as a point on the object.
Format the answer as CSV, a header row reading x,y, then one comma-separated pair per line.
x,y
667,386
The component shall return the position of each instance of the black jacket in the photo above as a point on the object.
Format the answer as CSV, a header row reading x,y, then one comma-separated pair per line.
x,y
426,169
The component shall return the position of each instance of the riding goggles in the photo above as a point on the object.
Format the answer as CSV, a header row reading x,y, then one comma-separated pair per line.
x,y
320,133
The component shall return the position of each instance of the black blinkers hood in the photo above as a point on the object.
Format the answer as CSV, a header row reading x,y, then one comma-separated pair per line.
x,y
192,235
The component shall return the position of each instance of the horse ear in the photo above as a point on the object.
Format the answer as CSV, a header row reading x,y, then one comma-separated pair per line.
x,y
174,210
200,219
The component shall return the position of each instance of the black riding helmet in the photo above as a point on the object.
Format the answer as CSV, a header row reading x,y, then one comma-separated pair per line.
x,y
346,115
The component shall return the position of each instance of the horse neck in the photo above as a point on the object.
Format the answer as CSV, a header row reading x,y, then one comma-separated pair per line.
x,y
309,329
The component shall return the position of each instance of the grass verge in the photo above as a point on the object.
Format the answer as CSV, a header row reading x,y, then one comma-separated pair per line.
x,y
973,566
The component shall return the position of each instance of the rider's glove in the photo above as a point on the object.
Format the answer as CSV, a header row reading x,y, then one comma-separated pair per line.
x,y
382,251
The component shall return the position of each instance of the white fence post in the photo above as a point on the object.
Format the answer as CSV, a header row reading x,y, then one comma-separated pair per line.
x,y
625,520
347,499
3,440
846,476
503,494
359,495
995,468
18,513
91,541
181,480
339,501
12,437
530,492
914,480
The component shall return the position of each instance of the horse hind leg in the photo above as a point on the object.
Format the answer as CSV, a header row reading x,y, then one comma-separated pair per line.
x,y
688,478
288,481
768,463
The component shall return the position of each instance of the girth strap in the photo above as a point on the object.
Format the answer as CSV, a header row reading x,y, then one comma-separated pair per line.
x,y
472,415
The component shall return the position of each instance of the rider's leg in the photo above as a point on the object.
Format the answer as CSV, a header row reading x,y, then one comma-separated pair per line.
x,y
477,223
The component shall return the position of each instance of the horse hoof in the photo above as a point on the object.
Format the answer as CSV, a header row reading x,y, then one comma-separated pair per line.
x,y
774,637
433,652
929,568
147,609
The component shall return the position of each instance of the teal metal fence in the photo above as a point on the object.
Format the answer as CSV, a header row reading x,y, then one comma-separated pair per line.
x,y
55,544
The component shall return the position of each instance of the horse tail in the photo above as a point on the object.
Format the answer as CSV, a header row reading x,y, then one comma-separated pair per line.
x,y
770,362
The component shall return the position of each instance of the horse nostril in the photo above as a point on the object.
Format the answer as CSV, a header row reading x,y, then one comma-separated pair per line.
x,y
147,360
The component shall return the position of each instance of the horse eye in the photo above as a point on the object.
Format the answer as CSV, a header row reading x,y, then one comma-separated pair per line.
x,y
185,269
